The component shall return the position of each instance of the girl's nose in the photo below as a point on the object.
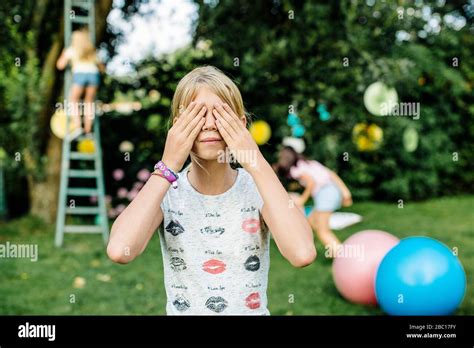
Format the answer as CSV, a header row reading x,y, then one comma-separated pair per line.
x,y
210,123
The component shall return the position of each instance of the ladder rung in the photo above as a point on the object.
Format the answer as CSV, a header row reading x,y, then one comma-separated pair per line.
x,y
82,191
80,19
82,229
82,173
78,3
83,210
89,136
81,155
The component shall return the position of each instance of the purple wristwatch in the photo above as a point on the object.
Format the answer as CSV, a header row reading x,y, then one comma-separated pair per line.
x,y
167,173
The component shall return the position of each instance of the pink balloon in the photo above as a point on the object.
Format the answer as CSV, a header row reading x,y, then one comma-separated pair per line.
x,y
118,174
356,263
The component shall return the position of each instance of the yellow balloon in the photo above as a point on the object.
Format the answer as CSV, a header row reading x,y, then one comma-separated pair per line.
x,y
363,143
375,133
261,132
367,137
86,146
58,124
358,128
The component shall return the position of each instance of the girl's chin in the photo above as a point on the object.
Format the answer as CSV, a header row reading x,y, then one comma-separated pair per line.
x,y
209,155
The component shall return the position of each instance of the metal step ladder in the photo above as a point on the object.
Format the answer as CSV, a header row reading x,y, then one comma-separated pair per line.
x,y
80,12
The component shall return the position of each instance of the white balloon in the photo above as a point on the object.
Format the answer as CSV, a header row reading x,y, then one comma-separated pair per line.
x,y
296,143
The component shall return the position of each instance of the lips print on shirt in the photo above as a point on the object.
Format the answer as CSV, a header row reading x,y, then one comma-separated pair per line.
x,y
252,263
181,303
213,266
252,301
251,225
212,231
216,304
177,264
174,227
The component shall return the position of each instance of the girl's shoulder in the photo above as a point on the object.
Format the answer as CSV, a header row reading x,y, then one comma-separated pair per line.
x,y
300,166
247,187
244,177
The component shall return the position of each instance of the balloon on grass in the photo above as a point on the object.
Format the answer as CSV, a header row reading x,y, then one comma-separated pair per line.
x,y
356,263
420,276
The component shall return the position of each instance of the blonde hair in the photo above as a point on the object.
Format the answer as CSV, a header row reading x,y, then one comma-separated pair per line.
x,y
214,79
82,44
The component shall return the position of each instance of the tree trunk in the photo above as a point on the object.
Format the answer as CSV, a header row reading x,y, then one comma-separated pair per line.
x,y
43,194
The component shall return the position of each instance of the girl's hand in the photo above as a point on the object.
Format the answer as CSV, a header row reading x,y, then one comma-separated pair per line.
x,y
346,199
237,137
299,203
182,134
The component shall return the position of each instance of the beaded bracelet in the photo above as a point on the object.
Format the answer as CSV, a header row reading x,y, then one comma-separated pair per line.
x,y
162,170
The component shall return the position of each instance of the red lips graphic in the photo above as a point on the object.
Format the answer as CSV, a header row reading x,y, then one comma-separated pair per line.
x,y
213,266
251,225
253,300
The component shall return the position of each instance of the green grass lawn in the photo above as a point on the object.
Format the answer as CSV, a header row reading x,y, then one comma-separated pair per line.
x,y
47,286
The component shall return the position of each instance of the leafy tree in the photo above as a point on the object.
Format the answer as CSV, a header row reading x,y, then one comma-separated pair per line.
x,y
293,53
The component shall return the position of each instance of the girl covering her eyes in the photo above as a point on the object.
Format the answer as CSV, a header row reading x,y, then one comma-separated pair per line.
x,y
216,220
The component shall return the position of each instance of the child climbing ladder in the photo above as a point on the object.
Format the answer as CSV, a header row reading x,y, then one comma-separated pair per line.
x,y
80,12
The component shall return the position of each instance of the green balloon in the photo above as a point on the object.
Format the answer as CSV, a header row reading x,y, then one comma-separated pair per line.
x,y
410,139
379,99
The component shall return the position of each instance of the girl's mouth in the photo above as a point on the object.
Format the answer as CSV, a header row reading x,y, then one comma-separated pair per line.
x,y
211,141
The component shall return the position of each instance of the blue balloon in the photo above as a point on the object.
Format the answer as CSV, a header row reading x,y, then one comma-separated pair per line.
x,y
420,276
321,108
324,116
298,131
292,119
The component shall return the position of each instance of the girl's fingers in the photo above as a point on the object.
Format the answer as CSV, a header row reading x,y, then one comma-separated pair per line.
x,y
186,116
224,123
192,124
178,124
197,128
223,131
233,115
230,120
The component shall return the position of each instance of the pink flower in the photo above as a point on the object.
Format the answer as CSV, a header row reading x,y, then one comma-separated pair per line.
x,y
132,194
108,199
143,175
118,174
112,213
122,192
93,199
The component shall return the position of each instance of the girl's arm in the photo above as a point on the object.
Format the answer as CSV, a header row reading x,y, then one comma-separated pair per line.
x,y
346,194
101,67
63,60
134,227
289,227
309,186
